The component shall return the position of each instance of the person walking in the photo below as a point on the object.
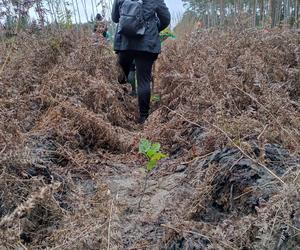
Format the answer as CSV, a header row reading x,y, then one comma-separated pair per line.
x,y
137,39
100,30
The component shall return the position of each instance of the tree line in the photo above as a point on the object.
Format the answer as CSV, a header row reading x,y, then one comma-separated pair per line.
x,y
258,12
17,14
20,14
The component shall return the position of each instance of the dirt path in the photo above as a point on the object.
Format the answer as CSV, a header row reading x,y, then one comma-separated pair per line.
x,y
141,228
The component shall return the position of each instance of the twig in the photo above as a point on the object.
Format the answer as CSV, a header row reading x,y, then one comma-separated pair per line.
x,y
231,197
184,118
236,162
196,159
144,246
272,229
22,245
72,158
144,190
25,206
195,233
263,131
80,236
269,112
178,230
251,190
296,178
2,150
232,141
295,235
109,224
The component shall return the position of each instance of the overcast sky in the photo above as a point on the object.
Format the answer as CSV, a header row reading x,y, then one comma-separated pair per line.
x,y
175,6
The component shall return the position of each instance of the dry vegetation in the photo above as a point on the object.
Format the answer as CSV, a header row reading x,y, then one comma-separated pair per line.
x,y
235,95
60,111
228,118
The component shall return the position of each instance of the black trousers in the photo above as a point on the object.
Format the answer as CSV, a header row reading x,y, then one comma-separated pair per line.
x,y
143,63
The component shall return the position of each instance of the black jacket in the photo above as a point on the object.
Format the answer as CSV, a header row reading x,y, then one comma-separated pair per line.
x,y
159,18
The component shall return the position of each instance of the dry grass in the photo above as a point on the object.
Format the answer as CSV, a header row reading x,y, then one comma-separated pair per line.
x,y
230,89
60,107
65,123
239,82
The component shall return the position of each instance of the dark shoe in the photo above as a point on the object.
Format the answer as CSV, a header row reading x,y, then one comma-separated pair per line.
x,y
142,119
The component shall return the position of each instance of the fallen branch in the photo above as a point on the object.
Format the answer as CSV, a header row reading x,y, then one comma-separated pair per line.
x,y
109,224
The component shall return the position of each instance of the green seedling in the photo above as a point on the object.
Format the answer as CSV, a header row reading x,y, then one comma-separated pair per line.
x,y
155,99
151,151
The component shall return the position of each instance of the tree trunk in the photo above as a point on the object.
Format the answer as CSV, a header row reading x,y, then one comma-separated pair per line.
x,y
254,13
93,9
297,13
278,12
272,12
40,12
289,8
96,6
78,11
85,10
222,12
74,11
235,7
261,12
239,6
214,12
209,15
52,11
286,12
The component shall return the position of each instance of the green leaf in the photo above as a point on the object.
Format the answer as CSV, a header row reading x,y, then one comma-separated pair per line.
x,y
150,165
155,98
144,146
158,156
155,147
150,153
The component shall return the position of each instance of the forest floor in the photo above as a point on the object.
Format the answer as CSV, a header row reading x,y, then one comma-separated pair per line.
x,y
227,117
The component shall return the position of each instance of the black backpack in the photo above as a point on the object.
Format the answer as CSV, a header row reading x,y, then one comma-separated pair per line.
x,y
132,23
